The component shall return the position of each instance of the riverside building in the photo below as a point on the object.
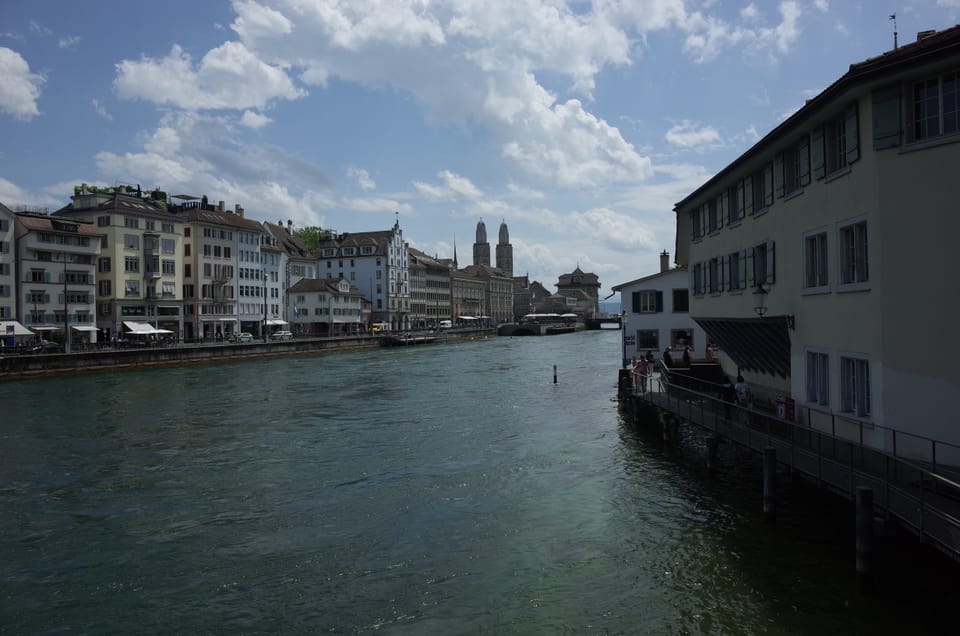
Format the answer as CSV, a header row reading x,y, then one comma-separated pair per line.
x,y
818,258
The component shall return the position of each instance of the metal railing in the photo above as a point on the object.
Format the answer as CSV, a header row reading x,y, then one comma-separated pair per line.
x,y
921,492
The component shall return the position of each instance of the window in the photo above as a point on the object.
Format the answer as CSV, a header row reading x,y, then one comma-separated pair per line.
x,y
131,222
713,276
151,225
698,222
763,264
735,271
853,254
835,145
698,279
104,288
681,301
131,287
166,227
168,288
730,204
169,266
168,246
186,232
103,264
103,221
648,339
855,386
187,270
186,249
815,260
131,264
714,217
795,167
935,106
818,378
131,241
647,302
762,188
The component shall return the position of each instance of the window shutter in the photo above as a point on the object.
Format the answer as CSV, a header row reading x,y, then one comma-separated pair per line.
x,y
743,269
852,131
886,118
803,156
659,301
771,264
751,269
778,175
724,278
635,298
724,203
748,195
816,153
768,184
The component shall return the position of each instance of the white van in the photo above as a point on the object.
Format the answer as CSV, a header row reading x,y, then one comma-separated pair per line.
x,y
445,324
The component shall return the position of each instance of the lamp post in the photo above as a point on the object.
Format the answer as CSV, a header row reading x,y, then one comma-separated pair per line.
x,y
66,316
264,274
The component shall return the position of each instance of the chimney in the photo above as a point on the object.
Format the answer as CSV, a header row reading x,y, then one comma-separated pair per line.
x,y
664,261
289,226
238,209
220,207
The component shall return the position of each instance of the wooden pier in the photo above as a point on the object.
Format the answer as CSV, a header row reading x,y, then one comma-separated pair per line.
x,y
919,492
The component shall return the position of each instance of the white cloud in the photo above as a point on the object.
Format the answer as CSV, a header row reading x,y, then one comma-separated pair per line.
x,y
229,76
99,109
822,5
454,186
39,29
949,4
362,177
19,89
525,193
67,42
687,134
250,119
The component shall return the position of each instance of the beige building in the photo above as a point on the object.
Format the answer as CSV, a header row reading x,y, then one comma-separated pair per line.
x,y
139,272
818,258
429,289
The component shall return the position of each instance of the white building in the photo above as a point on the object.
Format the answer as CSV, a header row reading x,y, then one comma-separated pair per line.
x,y
377,264
655,311
8,269
325,307
819,258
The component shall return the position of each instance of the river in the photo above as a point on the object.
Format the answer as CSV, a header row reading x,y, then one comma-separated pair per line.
x,y
441,489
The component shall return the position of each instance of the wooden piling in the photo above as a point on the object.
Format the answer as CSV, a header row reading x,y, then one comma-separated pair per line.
x,y
769,481
554,374
864,541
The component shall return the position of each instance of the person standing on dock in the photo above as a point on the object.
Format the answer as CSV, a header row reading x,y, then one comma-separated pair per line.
x,y
667,358
642,370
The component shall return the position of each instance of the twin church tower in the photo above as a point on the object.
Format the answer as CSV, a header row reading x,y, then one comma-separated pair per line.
x,y
481,249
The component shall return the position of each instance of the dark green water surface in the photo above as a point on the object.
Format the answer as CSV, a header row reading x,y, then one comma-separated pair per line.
x,y
449,489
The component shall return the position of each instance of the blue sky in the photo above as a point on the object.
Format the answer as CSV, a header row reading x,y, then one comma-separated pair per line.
x,y
579,123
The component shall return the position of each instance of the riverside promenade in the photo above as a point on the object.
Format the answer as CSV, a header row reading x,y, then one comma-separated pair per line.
x,y
910,482
108,359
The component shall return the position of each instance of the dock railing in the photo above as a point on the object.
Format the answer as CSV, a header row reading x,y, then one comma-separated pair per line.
x,y
912,481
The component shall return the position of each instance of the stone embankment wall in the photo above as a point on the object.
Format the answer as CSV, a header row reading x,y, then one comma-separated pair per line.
x,y
19,366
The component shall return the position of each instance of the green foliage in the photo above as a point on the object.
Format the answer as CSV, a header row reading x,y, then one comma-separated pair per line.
x,y
311,236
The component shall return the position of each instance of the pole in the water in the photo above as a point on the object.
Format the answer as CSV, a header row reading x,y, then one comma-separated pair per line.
x,y
554,374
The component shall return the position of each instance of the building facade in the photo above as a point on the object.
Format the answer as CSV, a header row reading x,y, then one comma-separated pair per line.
x,y
584,287
8,265
815,258
429,290
655,311
139,273
325,307
57,261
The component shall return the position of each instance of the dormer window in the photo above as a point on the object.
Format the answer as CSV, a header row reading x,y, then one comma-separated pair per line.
x,y
329,251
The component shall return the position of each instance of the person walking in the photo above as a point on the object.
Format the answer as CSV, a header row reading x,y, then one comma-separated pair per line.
x,y
667,358
643,370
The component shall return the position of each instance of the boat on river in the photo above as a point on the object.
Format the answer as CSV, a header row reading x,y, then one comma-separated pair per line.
x,y
543,325
403,340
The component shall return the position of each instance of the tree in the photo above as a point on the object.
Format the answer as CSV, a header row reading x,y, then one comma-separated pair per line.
x,y
311,236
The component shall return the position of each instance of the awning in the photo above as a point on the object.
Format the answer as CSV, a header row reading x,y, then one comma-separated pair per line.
x,y
467,318
84,328
161,331
6,326
46,328
138,327
275,323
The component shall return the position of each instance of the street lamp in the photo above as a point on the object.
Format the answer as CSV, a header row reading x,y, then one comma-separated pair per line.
x,y
264,331
66,316
761,295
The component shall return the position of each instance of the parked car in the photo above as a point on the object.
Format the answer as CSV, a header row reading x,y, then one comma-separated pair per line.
x,y
241,336
282,335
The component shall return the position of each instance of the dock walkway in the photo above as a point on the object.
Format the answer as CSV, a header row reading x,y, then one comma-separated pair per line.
x,y
920,491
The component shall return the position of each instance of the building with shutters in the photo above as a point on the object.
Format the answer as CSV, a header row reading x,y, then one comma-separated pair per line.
x,y
817,259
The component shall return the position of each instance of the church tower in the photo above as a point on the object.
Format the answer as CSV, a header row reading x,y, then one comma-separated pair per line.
x,y
505,251
481,249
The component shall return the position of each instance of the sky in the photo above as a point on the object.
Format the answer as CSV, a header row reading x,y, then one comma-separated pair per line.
x,y
578,123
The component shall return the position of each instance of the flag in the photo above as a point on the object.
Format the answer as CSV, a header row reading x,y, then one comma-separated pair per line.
x,y
296,312
893,16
